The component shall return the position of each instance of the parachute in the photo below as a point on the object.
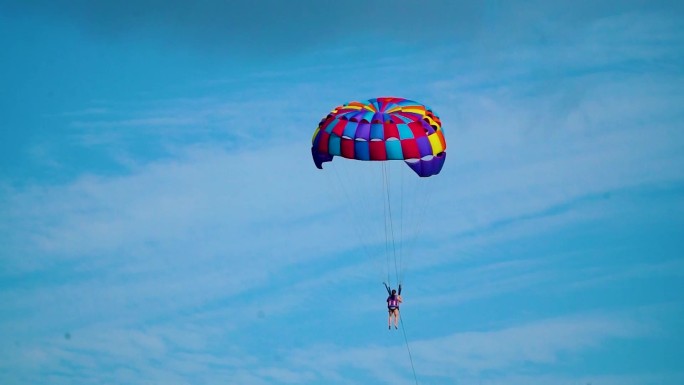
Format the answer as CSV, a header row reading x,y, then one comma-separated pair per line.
x,y
381,129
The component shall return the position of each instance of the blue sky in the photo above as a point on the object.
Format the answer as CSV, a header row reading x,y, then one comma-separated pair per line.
x,y
161,220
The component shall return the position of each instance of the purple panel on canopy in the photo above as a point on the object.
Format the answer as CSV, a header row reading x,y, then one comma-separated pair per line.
x,y
424,146
363,131
356,116
429,167
320,158
428,127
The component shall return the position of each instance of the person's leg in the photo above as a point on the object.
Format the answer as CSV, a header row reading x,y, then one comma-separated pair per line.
x,y
389,319
396,318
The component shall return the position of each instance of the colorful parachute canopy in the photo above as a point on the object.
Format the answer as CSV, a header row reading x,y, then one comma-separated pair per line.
x,y
382,129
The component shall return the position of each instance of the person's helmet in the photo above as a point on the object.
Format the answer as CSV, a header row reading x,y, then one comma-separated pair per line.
x,y
394,292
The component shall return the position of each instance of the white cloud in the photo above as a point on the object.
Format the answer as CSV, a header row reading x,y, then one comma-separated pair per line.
x,y
464,357
540,342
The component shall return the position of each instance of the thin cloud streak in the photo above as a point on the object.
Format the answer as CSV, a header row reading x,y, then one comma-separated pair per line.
x,y
465,356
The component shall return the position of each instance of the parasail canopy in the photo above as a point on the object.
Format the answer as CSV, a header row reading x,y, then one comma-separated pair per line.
x,y
382,129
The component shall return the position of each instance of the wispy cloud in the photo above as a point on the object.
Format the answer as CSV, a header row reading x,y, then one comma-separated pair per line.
x,y
465,357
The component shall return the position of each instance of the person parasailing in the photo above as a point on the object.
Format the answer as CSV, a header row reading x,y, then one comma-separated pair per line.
x,y
393,301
